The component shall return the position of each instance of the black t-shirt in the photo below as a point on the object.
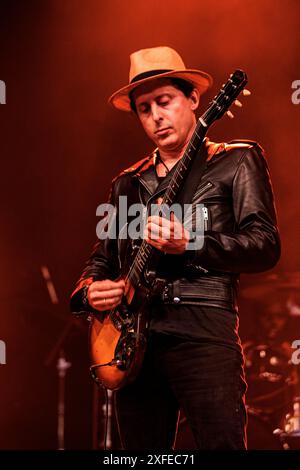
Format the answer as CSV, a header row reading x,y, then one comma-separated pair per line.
x,y
196,322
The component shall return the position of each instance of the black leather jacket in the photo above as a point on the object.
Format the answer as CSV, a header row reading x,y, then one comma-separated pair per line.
x,y
241,233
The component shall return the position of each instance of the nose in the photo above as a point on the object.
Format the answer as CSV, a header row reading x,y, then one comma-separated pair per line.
x,y
155,112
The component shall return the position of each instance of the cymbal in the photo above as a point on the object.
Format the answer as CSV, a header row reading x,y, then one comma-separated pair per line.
x,y
272,284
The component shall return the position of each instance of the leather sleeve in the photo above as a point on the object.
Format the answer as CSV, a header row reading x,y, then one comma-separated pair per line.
x,y
102,264
254,245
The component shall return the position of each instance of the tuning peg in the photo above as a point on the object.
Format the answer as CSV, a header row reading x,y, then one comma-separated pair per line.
x,y
229,114
238,103
246,92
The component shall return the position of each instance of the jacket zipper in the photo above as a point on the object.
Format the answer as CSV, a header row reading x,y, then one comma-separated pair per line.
x,y
202,190
205,218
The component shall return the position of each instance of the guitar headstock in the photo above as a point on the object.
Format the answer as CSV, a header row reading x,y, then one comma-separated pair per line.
x,y
238,103
226,97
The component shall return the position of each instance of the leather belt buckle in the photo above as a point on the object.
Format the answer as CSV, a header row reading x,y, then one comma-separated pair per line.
x,y
176,292
159,286
166,293
171,292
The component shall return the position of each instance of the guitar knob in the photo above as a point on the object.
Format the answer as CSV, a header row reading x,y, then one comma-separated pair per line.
x,y
229,114
238,103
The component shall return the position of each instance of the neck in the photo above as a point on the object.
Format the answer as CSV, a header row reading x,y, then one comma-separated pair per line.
x,y
172,155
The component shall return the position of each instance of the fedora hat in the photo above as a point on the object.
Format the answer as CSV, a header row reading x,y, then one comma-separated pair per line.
x,y
157,62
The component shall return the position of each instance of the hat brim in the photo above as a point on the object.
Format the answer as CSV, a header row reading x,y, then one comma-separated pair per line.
x,y
201,80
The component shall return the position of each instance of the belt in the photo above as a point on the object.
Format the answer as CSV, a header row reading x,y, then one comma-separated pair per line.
x,y
207,289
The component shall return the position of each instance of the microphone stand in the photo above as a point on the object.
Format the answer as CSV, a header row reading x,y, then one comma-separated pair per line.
x,y
106,442
62,364
103,440
62,367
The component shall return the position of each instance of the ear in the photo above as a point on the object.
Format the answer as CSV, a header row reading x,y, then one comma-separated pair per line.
x,y
195,99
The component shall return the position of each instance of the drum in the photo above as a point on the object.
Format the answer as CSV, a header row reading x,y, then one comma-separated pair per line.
x,y
260,436
290,434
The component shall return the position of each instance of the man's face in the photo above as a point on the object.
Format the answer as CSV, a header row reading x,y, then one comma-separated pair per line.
x,y
166,114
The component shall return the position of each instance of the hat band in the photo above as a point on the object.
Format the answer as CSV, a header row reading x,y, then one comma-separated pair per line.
x,y
150,73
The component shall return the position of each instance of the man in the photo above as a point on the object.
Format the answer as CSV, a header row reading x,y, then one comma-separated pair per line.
x,y
193,359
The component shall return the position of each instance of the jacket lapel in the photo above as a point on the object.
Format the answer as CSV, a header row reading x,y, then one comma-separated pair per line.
x,y
150,182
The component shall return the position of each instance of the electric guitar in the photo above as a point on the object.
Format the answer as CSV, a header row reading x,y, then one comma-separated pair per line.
x,y
117,339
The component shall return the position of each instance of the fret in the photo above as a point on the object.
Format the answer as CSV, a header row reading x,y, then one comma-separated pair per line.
x,y
183,166
136,279
140,264
142,260
138,269
144,251
196,133
147,248
139,258
188,160
133,276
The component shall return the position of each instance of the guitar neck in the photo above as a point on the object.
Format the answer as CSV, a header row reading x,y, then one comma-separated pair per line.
x,y
184,164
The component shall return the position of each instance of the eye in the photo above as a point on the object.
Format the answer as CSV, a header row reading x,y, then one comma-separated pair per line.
x,y
143,109
164,102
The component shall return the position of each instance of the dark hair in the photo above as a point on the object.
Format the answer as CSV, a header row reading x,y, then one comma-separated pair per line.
x,y
179,83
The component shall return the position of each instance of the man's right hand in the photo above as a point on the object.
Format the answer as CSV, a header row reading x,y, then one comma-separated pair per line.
x,y
105,295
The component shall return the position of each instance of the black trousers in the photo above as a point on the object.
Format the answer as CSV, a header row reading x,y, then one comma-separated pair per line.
x,y
206,380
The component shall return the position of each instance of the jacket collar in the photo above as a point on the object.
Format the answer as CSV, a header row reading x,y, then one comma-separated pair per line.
x,y
147,173
149,179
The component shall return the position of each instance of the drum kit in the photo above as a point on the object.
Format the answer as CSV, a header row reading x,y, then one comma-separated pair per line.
x,y
273,395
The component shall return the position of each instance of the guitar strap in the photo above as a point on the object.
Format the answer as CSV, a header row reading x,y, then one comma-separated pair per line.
x,y
184,196
194,176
